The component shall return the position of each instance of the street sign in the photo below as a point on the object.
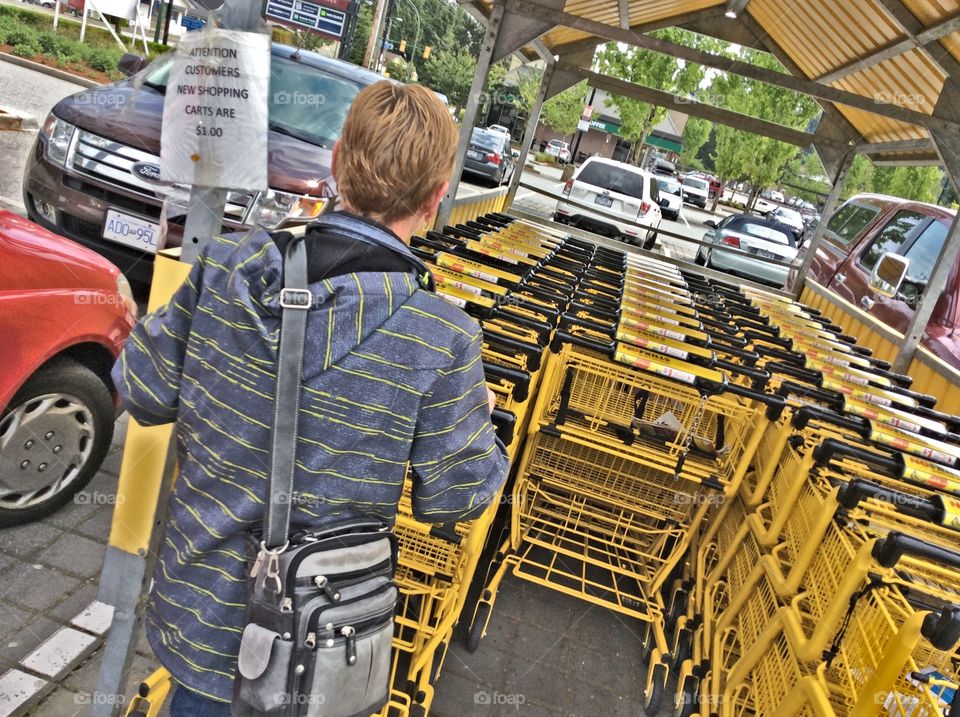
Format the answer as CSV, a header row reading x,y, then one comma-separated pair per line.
x,y
323,17
215,113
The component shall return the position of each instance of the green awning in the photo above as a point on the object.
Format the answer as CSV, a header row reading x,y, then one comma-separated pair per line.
x,y
663,143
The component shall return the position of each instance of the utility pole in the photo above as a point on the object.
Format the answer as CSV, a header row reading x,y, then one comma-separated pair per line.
x,y
373,42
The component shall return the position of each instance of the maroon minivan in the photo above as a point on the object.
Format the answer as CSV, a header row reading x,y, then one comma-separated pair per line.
x,y
866,228
94,172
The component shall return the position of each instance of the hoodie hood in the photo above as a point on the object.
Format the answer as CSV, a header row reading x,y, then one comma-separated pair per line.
x,y
346,309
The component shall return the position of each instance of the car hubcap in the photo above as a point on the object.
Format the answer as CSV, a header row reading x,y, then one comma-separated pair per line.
x,y
44,443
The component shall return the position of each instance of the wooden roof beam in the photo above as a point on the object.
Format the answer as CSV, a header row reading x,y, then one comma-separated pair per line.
x,y
928,36
913,28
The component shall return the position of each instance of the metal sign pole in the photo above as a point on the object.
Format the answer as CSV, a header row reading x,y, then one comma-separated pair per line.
x,y
148,467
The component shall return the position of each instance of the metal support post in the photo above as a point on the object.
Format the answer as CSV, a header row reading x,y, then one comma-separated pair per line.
x,y
529,133
470,113
829,206
929,298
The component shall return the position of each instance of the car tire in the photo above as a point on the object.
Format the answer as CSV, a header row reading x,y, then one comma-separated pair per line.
x,y
699,260
651,241
57,392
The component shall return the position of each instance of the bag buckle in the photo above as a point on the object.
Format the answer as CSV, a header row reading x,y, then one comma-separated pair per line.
x,y
296,298
268,561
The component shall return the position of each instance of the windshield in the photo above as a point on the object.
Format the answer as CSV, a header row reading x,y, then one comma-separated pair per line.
x,y
486,139
850,221
612,178
789,215
695,183
668,186
318,119
760,231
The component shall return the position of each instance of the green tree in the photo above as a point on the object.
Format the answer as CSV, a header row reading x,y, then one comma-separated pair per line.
x,y
450,72
859,177
742,155
695,135
656,70
361,34
921,184
562,113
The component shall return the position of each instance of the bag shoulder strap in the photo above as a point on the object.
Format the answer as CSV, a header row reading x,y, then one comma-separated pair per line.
x,y
295,302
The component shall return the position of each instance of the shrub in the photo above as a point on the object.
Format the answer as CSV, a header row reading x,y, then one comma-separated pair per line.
x,y
23,36
100,58
26,48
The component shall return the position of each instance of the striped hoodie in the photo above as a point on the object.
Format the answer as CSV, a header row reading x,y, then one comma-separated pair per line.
x,y
392,375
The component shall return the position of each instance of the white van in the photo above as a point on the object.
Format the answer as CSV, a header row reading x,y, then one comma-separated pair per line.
x,y
622,194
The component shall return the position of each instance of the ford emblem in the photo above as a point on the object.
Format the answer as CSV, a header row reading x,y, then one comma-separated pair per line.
x,y
147,172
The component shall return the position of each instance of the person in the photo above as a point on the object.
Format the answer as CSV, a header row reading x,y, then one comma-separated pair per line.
x,y
392,376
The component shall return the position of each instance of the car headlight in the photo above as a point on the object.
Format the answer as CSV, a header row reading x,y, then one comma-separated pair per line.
x,y
126,293
274,208
58,134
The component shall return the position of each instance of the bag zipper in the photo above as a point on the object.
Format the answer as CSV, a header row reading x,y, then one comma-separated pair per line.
x,y
313,621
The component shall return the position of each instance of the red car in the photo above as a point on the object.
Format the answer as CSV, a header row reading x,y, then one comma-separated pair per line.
x,y
64,315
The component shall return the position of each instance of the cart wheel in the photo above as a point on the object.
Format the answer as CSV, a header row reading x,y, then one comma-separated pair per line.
x,y
678,605
478,625
686,705
647,641
682,649
655,690
418,710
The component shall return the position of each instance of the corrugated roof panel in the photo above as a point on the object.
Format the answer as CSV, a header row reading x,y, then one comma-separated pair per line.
x,y
875,128
931,11
911,80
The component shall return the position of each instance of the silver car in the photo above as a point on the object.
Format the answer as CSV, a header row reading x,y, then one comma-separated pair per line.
x,y
756,239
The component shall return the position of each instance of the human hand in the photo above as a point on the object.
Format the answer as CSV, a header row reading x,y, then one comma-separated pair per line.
x,y
491,399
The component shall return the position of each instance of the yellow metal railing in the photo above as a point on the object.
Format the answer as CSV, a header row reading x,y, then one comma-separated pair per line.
x,y
931,375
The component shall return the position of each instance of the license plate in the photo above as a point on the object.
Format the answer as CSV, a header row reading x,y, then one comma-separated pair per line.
x,y
473,155
132,231
603,201
764,254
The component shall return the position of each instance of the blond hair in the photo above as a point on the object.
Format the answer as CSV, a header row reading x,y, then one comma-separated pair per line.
x,y
397,148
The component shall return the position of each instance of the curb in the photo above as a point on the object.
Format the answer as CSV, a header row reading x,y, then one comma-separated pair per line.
x,y
51,71
10,119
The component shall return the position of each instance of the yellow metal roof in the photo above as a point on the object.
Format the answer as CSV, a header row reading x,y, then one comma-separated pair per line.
x,y
821,37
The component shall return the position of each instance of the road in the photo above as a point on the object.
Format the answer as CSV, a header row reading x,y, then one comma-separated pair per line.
x,y
30,93
547,179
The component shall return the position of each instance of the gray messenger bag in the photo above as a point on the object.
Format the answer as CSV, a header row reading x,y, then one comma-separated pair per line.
x,y
320,610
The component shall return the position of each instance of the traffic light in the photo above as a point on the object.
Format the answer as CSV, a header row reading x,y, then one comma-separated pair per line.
x,y
403,47
426,52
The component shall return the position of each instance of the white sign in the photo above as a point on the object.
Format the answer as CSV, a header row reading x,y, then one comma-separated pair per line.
x,y
215,111
126,9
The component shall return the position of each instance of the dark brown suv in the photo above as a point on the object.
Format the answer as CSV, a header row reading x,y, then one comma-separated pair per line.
x,y
93,174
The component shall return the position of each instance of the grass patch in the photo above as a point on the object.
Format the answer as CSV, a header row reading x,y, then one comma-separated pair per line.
x,y
546,158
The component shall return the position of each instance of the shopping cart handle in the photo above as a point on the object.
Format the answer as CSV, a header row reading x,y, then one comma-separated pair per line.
x,y
519,379
562,337
758,376
786,356
543,330
858,489
749,356
790,388
531,351
505,423
889,465
446,531
898,378
752,336
805,414
566,322
922,398
801,374
942,630
888,550
775,404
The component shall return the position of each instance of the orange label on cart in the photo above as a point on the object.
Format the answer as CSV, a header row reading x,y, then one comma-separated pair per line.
x,y
888,416
931,475
651,344
917,445
474,268
652,328
654,367
951,512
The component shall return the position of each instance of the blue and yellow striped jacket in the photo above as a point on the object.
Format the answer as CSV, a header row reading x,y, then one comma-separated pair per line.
x,y
392,375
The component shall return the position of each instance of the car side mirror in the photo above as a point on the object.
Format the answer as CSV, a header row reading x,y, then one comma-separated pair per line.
x,y
131,64
515,153
664,202
710,223
888,274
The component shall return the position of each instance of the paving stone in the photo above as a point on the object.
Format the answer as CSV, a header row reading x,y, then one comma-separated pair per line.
x,y
31,634
97,526
95,618
27,540
37,588
61,651
485,667
76,555
12,619
75,603
63,703
20,691
72,514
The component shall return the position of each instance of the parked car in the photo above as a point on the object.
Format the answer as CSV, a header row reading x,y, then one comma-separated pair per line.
x,y
790,217
671,195
869,228
662,166
622,193
696,190
499,128
93,174
772,195
64,315
489,156
758,238
560,150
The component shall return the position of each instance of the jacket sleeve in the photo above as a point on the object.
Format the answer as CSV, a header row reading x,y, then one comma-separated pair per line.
x,y
147,374
458,462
